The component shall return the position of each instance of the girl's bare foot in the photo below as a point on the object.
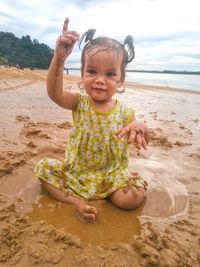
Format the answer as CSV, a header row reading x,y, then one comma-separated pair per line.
x,y
87,213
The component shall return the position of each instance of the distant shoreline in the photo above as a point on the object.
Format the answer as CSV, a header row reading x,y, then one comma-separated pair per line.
x,y
167,72
73,78
128,70
150,71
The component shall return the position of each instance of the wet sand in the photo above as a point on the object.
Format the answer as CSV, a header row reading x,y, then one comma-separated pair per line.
x,y
37,230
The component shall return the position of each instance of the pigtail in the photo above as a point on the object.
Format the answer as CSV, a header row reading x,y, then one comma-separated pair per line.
x,y
88,35
129,48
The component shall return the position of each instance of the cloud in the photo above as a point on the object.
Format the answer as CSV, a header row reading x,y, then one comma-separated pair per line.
x,y
166,33
176,51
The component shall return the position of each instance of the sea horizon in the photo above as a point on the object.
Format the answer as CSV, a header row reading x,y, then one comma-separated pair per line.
x,y
172,80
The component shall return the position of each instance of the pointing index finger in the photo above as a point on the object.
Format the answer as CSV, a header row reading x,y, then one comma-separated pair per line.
x,y
65,25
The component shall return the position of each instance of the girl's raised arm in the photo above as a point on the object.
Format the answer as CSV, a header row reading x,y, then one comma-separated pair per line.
x,y
64,47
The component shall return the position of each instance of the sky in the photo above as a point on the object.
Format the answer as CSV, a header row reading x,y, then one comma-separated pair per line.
x,y
166,32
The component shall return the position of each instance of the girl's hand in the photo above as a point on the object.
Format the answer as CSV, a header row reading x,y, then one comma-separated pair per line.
x,y
65,42
138,134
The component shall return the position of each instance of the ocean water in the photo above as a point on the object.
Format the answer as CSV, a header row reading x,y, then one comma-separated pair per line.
x,y
182,81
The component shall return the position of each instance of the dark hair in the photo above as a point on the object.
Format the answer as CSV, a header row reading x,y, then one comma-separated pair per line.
x,y
108,44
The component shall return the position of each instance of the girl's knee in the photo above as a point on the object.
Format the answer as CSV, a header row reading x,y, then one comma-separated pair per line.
x,y
128,200
137,198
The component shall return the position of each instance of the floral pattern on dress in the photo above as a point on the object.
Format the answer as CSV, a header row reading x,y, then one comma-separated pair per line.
x,y
97,159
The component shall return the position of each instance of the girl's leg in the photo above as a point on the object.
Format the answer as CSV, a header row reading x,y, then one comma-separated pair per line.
x,y
131,198
86,212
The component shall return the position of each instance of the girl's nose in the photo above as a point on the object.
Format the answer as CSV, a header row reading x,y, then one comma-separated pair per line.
x,y
100,79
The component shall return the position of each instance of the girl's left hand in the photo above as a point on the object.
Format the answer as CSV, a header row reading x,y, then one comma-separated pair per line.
x,y
138,134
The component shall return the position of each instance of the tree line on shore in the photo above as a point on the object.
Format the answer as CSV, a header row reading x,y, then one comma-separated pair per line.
x,y
24,52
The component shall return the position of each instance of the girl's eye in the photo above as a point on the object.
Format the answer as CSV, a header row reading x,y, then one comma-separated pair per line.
x,y
90,71
110,74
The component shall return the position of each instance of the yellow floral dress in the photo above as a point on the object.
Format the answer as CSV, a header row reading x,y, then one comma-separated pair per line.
x,y
96,161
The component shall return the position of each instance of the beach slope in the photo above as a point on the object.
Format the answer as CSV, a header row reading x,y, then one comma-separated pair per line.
x,y
36,230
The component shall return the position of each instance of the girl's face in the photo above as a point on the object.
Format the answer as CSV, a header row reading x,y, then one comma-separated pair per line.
x,y
102,74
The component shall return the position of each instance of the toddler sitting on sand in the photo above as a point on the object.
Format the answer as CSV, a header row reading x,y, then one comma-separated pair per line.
x,y
96,157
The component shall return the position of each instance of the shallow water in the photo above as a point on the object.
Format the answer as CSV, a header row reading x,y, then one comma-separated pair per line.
x,y
112,224
166,197
182,81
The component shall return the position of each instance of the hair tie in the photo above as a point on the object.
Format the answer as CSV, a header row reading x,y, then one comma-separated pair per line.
x,y
88,35
129,47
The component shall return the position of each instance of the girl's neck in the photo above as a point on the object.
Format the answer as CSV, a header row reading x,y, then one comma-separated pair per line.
x,y
104,106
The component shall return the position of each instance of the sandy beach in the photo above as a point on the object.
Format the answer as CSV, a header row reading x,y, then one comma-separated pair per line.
x,y
36,230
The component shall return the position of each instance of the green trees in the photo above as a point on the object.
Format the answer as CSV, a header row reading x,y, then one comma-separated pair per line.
x,y
24,51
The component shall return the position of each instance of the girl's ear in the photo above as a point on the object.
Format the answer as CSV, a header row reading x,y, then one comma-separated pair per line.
x,y
120,84
121,87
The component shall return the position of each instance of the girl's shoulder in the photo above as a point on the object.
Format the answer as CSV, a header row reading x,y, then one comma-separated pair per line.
x,y
82,102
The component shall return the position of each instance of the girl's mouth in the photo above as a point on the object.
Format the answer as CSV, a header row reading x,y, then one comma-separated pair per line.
x,y
101,89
